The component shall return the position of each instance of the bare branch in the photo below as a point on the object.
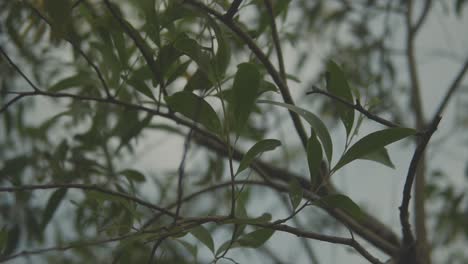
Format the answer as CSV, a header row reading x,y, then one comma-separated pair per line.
x,y
331,239
35,88
422,17
356,106
408,238
276,40
233,9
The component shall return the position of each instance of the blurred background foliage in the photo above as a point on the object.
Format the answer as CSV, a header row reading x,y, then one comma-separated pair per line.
x,y
65,140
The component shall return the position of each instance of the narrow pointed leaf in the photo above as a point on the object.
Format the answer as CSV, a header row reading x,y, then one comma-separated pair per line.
x,y
314,158
133,175
52,205
381,156
202,234
315,122
257,149
373,142
338,85
295,193
256,238
195,108
344,203
245,91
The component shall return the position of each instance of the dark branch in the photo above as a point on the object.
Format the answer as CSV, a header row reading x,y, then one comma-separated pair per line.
x,y
276,40
422,18
408,238
233,9
356,106
35,88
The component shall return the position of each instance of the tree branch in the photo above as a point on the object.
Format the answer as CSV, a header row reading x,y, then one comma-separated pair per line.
x,y
276,40
408,238
422,17
356,106
233,9
331,239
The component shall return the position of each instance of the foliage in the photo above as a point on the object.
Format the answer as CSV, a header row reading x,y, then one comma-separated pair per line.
x,y
86,84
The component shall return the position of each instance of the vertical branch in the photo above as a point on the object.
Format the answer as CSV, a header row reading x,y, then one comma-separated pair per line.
x,y
423,252
276,40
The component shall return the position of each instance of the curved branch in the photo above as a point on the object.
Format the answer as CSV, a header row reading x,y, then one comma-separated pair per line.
x,y
276,40
325,238
356,106
408,238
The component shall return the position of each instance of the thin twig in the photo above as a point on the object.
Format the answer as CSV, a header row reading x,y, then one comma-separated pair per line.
x,y
422,18
326,238
356,106
35,88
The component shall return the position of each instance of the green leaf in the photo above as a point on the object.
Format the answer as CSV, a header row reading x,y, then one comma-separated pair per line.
x,y
198,81
342,202
127,129
373,142
295,193
338,85
141,87
202,234
223,53
242,220
133,175
191,48
315,122
380,156
190,248
12,239
245,91
256,238
195,108
77,80
314,158
52,205
257,149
